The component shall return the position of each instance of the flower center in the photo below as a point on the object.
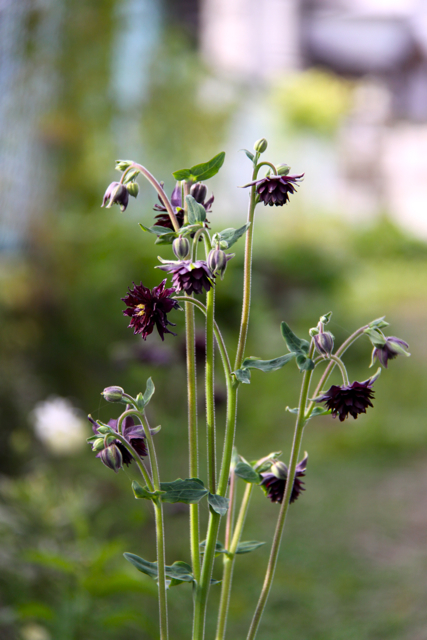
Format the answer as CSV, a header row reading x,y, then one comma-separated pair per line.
x,y
142,309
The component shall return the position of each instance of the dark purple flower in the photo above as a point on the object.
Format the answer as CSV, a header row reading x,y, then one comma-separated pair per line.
x,y
198,191
191,277
275,190
148,309
116,194
349,399
274,481
133,433
391,349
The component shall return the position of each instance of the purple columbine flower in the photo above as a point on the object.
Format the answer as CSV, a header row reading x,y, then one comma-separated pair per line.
x,y
133,433
116,194
199,193
275,190
148,309
350,399
391,349
190,277
274,481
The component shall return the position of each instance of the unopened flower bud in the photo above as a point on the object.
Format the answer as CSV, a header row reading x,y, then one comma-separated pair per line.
x,y
280,470
261,145
217,261
113,394
324,343
112,458
199,192
98,444
313,332
181,248
133,189
116,194
283,169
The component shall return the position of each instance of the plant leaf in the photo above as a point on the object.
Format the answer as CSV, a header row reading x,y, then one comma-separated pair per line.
x,y
157,230
143,492
149,568
248,546
249,154
189,491
246,472
218,503
202,171
230,236
267,365
304,363
243,375
149,391
177,573
293,342
196,211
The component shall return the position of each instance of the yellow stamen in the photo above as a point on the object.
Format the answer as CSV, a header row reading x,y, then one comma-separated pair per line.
x,y
142,307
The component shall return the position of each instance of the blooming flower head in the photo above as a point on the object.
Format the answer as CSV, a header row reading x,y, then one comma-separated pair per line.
x,y
198,191
148,309
274,481
133,433
350,399
391,349
275,190
190,277
116,194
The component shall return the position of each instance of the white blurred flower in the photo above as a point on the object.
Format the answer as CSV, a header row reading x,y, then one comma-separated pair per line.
x,y
59,425
34,632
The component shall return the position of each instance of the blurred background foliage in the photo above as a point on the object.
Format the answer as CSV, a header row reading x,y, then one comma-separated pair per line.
x,y
353,563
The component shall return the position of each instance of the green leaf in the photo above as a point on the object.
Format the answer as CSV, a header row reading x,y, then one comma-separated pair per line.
x,y
317,411
196,211
219,548
246,472
230,236
149,391
143,492
293,342
189,491
218,503
267,365
243,375
149,568
304,363
248,546
178,572
249,154
157,230
202,171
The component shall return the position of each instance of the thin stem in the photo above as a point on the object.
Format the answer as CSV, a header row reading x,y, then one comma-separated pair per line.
x,y
230,512
228,559
265,163
341,367
141,466
124,415
158,187
210,389
296,445
244,324
192,432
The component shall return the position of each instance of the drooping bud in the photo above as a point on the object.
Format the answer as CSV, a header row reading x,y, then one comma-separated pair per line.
x,y
199,192
98,444
283,169
112,458
261,145
280,470
181,248
116,194
217,261
324,343
133,188
113,394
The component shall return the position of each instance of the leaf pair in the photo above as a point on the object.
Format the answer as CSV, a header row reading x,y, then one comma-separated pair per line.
x,y
189,491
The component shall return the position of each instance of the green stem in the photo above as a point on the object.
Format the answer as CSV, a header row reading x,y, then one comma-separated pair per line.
x,y
341,367
192,433
139,462
230,513
210,389
244,324
299,430
158,187
160,536
268,164
228,560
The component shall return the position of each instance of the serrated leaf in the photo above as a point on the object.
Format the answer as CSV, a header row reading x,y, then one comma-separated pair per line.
x,y
230,236
149,391
218,503
248,546
189,491
295,344
243,375
249,154
196,211
304,363
219,548
267,365
246,472
143,492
